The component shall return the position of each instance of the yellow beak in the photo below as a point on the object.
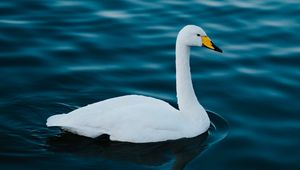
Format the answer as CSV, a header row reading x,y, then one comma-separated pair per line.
x,y
206,42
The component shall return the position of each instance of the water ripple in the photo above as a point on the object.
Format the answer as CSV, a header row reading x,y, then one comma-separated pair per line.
x,y
59,55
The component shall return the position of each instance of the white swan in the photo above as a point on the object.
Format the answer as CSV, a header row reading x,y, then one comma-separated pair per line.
x,y
141,119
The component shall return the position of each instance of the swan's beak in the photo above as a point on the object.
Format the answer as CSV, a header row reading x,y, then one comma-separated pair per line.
x,y
206,42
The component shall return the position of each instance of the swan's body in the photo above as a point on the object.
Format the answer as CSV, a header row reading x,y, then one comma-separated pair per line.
x,y
142,119
130,118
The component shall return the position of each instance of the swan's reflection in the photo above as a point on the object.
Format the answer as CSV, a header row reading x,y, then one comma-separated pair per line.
x,y
178,152
151,154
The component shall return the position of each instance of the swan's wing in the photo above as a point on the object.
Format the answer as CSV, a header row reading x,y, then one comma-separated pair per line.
x,y
120,116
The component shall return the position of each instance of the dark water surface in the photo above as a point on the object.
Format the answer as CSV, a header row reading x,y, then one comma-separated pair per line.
x,y
58,55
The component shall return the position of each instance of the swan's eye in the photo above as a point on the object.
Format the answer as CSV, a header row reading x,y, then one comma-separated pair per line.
x,y
198,35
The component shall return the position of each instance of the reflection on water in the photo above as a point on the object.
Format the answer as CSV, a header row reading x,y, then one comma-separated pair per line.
x,y
151,154
177,153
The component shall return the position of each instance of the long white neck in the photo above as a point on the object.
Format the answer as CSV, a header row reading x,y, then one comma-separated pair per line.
x,y
186,98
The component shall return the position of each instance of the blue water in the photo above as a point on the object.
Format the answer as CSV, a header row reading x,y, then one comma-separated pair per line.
x,y
59,55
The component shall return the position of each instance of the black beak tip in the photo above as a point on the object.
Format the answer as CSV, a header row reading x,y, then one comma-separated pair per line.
x,y
217,49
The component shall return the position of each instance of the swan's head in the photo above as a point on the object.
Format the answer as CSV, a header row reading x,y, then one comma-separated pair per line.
x,y
192,35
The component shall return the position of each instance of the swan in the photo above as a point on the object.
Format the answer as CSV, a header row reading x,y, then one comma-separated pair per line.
x,y
142,119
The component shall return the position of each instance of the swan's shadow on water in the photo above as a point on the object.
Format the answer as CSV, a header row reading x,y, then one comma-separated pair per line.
x,y
182,151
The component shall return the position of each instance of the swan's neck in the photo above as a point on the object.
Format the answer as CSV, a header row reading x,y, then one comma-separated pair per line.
x,y
186,98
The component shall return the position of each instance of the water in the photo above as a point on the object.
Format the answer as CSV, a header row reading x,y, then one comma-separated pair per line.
x,y
56,56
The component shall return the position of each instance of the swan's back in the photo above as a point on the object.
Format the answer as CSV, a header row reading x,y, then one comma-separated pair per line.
x,y
125,118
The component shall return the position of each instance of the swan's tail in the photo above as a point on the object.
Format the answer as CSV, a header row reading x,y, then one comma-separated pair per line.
x,y
55,120
59,121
